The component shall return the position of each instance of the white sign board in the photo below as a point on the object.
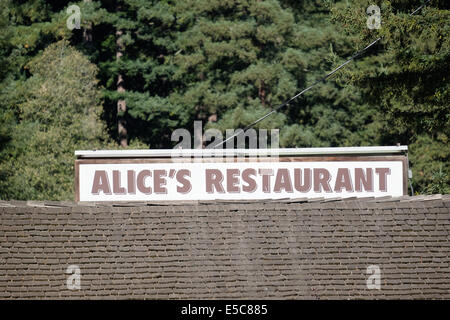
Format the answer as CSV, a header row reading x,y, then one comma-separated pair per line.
x,y
164,179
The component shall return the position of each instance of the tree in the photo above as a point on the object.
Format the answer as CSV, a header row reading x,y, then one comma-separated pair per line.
x,y
137,83
59,114
406,78
235,60
229,62
333,113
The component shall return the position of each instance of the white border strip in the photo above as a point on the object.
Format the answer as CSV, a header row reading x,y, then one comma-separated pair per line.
x,y
164,153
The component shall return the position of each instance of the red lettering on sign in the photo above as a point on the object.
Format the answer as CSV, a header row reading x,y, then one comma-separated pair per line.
x,y
266,173
306,186
214,179
101,183
251,183
322,180
131,176
141,182
117,189
363,179
159,181
181,174
283,181
383,173
232,181
343,180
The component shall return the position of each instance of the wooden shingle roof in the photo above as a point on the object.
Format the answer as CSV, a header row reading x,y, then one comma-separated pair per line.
x,y
294,249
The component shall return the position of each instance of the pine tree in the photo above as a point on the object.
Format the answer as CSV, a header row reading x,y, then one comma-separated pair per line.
x,y
333,113
235,60
406,78
229,62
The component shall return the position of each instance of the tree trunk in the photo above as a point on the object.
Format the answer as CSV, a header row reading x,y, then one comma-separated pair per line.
x,y
121,103
87,31
262,93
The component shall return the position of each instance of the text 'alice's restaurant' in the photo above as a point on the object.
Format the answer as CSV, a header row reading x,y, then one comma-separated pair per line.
x,y
240,174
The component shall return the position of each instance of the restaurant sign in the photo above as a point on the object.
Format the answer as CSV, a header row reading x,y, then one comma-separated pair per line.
x,y
240,174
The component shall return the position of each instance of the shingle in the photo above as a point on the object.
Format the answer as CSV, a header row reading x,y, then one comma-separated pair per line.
x,y
275,249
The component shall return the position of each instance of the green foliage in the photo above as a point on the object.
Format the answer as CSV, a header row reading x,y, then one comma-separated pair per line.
x,y
409,79
429,156
439,184
406,78
233,60
59,114
225,62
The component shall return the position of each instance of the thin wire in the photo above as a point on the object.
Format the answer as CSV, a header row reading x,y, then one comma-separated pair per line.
x,y
420,8
356,55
